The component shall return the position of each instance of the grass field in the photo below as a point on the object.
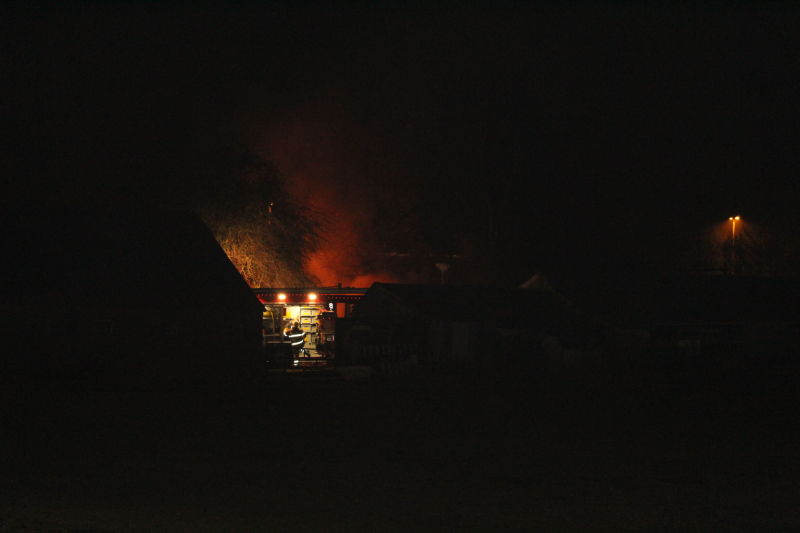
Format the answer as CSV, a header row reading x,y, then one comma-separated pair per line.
x,y
673,449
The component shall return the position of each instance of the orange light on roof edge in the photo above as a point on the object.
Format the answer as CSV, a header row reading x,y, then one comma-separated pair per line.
x,y
312,296
281,296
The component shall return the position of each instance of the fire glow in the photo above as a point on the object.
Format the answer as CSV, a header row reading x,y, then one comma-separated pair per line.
x,y
314,160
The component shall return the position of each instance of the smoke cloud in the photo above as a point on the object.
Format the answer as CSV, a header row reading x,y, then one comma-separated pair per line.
x,y
330,164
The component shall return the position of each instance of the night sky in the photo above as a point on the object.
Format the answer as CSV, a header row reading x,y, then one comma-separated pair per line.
x,y
571,135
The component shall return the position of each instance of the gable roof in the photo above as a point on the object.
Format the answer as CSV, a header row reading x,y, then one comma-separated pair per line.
x,y
117,259
537,282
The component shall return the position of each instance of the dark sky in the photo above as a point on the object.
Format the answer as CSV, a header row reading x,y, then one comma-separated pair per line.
x,y
603,134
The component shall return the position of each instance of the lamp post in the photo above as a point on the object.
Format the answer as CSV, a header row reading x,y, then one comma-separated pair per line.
x,y
733,244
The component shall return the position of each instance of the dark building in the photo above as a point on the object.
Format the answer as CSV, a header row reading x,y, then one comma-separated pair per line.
x,y
474,325
652,315
83,287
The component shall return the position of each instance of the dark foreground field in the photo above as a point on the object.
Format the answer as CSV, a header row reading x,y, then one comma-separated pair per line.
x,y
675,449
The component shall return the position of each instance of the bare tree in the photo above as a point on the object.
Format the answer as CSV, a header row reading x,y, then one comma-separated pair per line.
x,y
759,252
705,253
266,233
756,251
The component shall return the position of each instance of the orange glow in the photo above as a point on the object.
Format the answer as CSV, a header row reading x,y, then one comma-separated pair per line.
x,y
734,219
733,243
367,280
281,296
307,145
312,296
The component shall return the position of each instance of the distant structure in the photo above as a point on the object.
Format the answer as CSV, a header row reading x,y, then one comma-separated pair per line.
x,y
537,282
662,316
82,287
484,326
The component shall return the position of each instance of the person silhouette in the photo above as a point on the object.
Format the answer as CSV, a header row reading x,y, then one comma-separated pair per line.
x,y
298,339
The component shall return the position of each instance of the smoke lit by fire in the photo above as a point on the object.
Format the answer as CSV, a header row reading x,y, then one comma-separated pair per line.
x,y
325,172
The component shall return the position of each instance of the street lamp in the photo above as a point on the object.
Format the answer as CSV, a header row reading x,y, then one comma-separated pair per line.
x,y
733,244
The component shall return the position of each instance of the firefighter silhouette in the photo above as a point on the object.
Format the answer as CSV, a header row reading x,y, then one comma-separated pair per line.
x,y
298,339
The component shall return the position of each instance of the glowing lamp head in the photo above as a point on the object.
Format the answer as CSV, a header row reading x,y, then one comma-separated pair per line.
x,y
312,296
281,296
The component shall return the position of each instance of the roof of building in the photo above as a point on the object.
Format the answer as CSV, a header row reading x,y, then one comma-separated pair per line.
x,y
119,259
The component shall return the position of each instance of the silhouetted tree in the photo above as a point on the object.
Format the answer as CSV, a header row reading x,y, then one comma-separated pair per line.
x,y
757,252
704,254
264,230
